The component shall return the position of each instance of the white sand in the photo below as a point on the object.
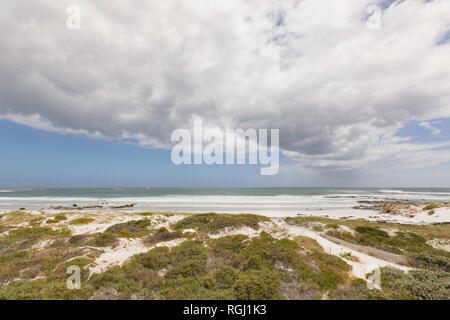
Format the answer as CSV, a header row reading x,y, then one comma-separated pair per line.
x,y
122,252
440,244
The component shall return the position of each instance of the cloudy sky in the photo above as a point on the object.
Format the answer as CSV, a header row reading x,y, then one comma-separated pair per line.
x,y
361,95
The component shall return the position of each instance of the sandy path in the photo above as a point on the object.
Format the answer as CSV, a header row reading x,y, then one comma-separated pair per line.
x,y
360,269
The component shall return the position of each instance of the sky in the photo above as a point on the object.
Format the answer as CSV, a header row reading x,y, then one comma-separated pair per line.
x,y
360,94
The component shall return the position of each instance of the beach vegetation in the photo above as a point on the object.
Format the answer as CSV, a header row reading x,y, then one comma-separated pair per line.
x,y
416,284
308,243
213,222
80,221
434,260
257,285
94,240
400,243
131,229
162,234
231,267
57,218
431,206
349,256
16,215
33,261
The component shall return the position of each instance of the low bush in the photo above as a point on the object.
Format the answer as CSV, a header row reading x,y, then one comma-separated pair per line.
x,y
213,223
431,206
229,245
400,243
308,243
162,235
257,285
94,240
349,256
131,229
431,261
79,221
103,240
417,284
225,276
57,218
372,231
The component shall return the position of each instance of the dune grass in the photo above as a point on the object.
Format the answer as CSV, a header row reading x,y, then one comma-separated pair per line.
x,y
213,222
80,221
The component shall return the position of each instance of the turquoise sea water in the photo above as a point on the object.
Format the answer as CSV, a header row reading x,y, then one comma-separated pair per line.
x,y
214,199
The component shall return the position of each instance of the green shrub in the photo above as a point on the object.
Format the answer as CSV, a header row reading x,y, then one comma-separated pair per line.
x,y
225,277
43,289
103,240
24,238
80,221
187,268
333,270
253,262
431,261
119,279
431,206
79,239
212,222
349,256
155,259
189,250
182,289
317,228
161,235
229,245
327,279
257,285
417,284
57,218
271,250
94,240
400,243
308,243
130,229
372,231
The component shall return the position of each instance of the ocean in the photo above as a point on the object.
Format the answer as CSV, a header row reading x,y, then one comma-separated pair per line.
x,y
256,200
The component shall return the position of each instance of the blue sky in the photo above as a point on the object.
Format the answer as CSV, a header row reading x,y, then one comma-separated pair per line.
x,y
420,134
36,158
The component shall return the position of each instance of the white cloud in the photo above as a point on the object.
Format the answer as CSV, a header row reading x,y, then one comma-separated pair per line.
x,y
337,90
429,125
